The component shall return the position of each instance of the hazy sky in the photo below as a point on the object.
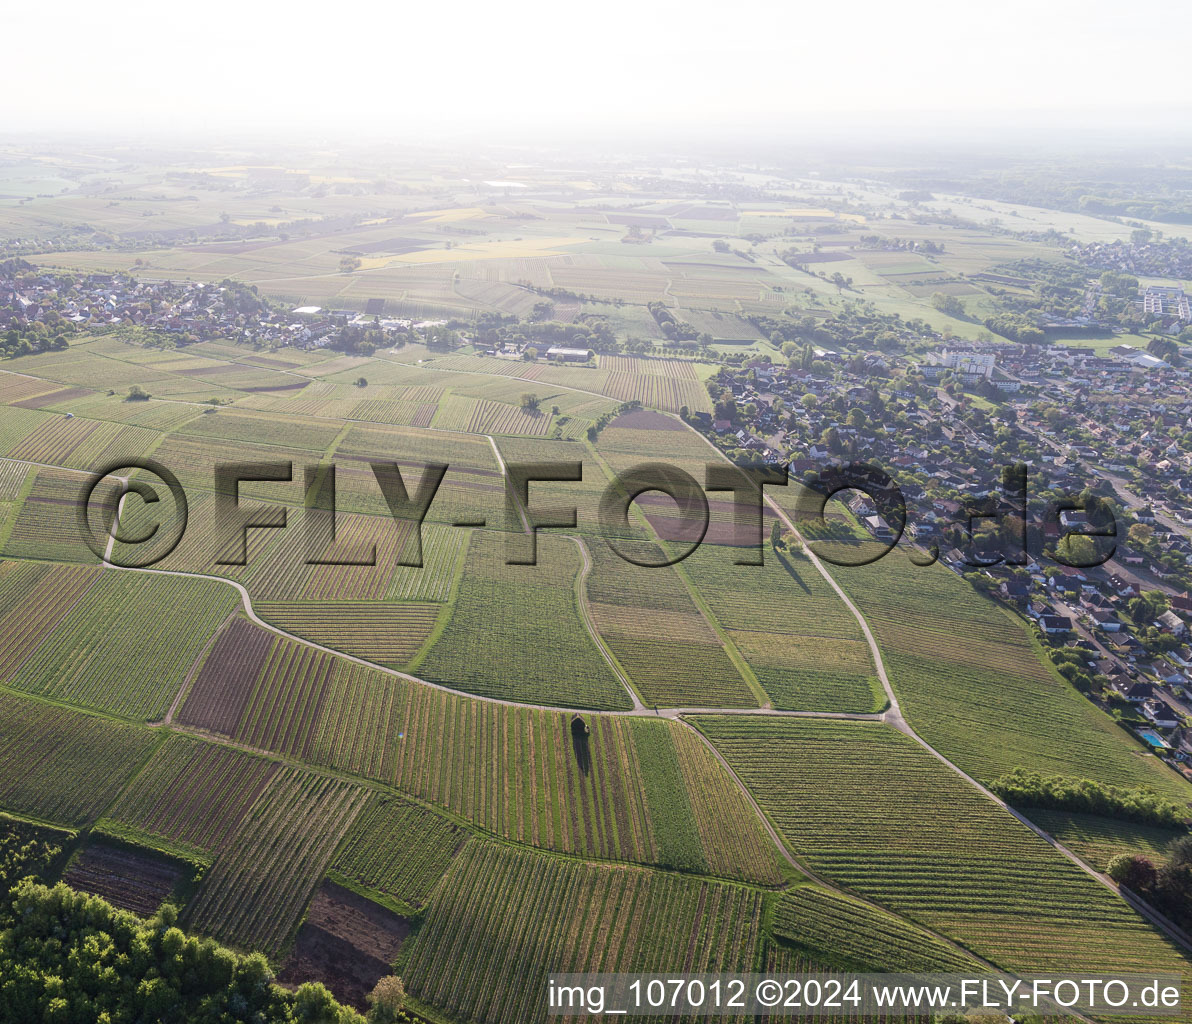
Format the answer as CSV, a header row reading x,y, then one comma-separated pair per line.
x,y
395,66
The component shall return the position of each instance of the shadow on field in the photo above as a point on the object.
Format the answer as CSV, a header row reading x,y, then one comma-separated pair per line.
x,y
579,741
794,573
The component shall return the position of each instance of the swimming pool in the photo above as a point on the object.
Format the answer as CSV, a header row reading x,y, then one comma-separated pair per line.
x,y
1154,739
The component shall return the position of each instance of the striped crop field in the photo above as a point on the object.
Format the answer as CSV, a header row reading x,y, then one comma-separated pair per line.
x,y
870,810
386,632
499,418
153,414
516,631
379,410
221,689
280,571
55,438
658,634
51,399
192,794
583,494
400,850
836,931
15,387
669,394
1097,840
254,894
83,369
193,459
734,843
780,958
360,728
643,435
481,416
18,578
46,524
517,772
110,443
454,412
442,551
204,543
970,684
471,489
63,766
287,699
678,841
480,364
291,698
34,597
520,773
676,368
12,477
16,425
275,429
504,920
514,772
100,656
801,641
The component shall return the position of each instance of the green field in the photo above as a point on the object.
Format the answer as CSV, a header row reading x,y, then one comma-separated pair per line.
x,y
516,631
503,920
872,811
971,684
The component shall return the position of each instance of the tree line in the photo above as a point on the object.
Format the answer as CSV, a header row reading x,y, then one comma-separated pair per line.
x,y
1022,788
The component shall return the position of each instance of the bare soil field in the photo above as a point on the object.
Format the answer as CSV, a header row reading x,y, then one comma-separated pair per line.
x,y
128,879
346,942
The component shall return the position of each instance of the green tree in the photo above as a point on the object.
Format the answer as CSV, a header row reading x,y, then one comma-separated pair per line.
x,y
949,304
386,1000
1077,550
314,1004
1140,536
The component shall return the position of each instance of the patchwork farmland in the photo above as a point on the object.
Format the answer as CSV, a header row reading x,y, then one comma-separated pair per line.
x,y
476,774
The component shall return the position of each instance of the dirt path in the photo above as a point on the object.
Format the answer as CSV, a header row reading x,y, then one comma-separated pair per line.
x,y
585,611
193,671
581,588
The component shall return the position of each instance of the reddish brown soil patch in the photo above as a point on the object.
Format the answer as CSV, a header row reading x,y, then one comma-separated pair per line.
x,y
52,398
288,386
209,371
131,880
663,516
219,694
347,942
